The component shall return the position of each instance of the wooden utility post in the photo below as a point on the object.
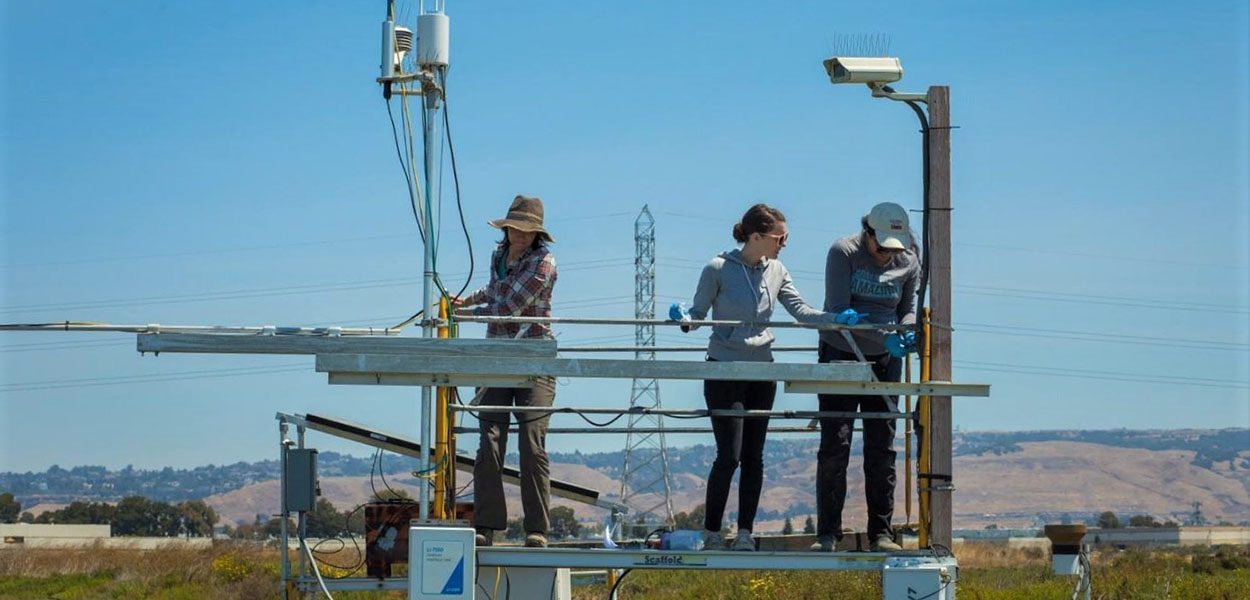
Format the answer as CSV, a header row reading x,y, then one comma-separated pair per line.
x,y
939,242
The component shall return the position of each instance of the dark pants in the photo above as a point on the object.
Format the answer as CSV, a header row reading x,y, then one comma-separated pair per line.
x,y
835,451
489,509
739,442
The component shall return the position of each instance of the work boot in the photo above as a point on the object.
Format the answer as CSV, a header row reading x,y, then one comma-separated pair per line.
x,y
484,537
535,539
713,540
744,541
824,543
883,543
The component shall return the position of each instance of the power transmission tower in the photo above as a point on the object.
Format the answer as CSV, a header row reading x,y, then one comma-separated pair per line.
x,y
646,487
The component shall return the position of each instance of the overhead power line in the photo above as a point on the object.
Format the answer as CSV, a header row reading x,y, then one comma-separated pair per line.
x,y
258,247
207,252
1042,295
1102,338
278,291
27,386
839,233
38,347
1101,375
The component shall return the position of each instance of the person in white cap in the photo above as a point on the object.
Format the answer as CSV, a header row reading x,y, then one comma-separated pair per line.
x,y
875,274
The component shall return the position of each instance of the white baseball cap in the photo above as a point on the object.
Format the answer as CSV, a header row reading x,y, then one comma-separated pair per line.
x,y
889,221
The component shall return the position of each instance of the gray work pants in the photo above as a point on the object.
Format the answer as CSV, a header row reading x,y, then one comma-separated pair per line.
x,y
489,509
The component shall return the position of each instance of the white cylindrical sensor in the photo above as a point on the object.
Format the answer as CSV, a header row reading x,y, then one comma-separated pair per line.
x,y
388,49
432,40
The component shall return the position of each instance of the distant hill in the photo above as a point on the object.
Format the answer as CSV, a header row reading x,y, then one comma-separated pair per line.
x,y
1002,478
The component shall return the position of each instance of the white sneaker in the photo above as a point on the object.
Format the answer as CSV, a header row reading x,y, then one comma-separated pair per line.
x,y
713,540
744,541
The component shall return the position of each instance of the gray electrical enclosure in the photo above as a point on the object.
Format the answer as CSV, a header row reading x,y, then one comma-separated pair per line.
x,y
301,479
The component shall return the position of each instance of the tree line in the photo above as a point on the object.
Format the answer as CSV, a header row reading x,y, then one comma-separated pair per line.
x,y
132,516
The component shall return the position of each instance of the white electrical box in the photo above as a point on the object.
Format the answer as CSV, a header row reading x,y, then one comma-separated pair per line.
x,y
1066,564
441,563
914,577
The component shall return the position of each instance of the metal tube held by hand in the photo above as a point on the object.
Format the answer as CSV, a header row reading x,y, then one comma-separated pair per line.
x,y
666,323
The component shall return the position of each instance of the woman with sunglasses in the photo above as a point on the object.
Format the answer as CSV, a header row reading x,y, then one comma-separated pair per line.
x,y
874,273
744,285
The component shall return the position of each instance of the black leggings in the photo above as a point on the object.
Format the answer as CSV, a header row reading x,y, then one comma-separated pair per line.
x,y
835,451
739,441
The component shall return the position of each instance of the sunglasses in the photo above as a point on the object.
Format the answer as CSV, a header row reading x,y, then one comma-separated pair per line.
x,y
781,238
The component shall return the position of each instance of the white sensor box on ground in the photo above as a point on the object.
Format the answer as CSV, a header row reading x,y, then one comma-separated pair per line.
x,y
441,563
914,577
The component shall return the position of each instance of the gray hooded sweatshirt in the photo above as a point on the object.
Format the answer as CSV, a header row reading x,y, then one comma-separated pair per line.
x,y
734,291
886,294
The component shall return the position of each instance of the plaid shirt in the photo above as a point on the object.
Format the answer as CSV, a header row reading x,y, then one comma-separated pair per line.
x,y
524,291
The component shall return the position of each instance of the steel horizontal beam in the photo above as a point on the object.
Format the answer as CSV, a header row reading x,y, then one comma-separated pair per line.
x,y
890,388
578,558
305,344
685,412
824,378
637,430
395,364
431,379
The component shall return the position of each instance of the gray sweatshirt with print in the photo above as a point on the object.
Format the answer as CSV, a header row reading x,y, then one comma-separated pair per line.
x,y
887,294
735,291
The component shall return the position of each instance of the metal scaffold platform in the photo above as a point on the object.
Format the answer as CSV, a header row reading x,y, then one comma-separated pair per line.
x,y
433,537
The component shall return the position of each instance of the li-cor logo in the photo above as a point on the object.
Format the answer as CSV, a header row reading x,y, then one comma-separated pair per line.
x,y
672,560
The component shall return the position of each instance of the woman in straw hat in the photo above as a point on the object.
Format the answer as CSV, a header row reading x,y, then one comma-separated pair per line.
x,y
522,275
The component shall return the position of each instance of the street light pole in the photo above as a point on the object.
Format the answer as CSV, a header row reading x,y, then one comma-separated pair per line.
x,y
934,463
938,242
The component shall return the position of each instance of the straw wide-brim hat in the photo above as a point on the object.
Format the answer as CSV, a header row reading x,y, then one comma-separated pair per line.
x,y
525,214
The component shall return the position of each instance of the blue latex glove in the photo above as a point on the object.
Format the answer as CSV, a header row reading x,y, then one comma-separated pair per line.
x,y
677,311
848,317
900,345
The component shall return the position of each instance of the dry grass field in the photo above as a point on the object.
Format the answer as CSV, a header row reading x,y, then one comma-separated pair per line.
x,y
987,571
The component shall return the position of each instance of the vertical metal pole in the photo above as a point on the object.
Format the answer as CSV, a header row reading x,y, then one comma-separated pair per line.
x,y
441,477
1086,571
433,148
941,419
922,455
284,535
907,430
302,523
453,419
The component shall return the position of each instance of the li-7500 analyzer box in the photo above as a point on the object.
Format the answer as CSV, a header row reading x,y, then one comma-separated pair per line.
x,y
441,563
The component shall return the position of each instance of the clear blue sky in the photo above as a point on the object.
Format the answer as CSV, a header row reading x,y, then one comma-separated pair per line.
x,y
232,163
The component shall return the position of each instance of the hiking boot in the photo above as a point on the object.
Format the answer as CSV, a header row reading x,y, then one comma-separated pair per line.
x,y
484,537
535,540
883,543
713,540
744,541
823,543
